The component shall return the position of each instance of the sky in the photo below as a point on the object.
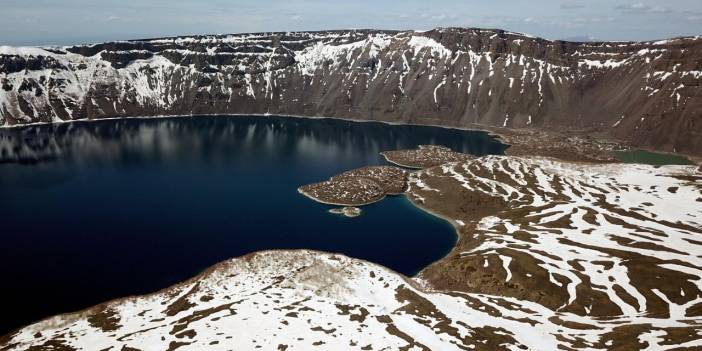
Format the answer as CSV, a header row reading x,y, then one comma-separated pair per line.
x,y
64,22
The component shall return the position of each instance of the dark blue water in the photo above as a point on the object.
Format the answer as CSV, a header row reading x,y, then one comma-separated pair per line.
x,y
98,210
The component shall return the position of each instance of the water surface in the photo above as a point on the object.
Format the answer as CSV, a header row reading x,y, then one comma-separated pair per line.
x,y
98,210
651,158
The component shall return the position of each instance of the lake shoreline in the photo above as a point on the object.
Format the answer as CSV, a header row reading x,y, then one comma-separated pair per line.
x,y
213,181
416,279
504,135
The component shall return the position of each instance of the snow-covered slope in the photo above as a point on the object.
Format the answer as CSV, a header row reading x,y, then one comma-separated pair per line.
x,y
302,300
647,93
615,241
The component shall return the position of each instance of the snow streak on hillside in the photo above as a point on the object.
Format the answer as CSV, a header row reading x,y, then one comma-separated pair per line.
x,y
614,244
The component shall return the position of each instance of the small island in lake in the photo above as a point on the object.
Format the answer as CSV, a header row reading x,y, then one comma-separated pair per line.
x,y
347,211
357,187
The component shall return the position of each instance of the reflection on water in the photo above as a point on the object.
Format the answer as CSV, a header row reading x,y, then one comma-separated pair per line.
x,y
97,210
168,138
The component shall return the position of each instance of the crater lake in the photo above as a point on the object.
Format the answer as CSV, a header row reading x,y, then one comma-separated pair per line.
x,y
97,210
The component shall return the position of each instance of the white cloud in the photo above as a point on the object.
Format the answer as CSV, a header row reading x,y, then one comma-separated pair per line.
x,y
657,9
639,7
569,23
120,19
593,19
580,38
694,16
571,5
431,17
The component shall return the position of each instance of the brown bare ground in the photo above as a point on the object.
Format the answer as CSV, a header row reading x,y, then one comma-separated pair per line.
x,y
358,187
425,156
567,147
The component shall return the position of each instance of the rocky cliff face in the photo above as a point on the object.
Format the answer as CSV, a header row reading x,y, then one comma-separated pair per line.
x,y
648,94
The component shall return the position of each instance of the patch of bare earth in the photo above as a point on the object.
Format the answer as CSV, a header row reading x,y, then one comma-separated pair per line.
x,y
393,180
425,156
529,142
345,192
358,187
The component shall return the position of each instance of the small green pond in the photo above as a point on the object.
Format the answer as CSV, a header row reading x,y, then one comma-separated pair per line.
x,y
651,158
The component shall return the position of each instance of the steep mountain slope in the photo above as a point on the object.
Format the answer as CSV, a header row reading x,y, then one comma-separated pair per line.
x,y
648,94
